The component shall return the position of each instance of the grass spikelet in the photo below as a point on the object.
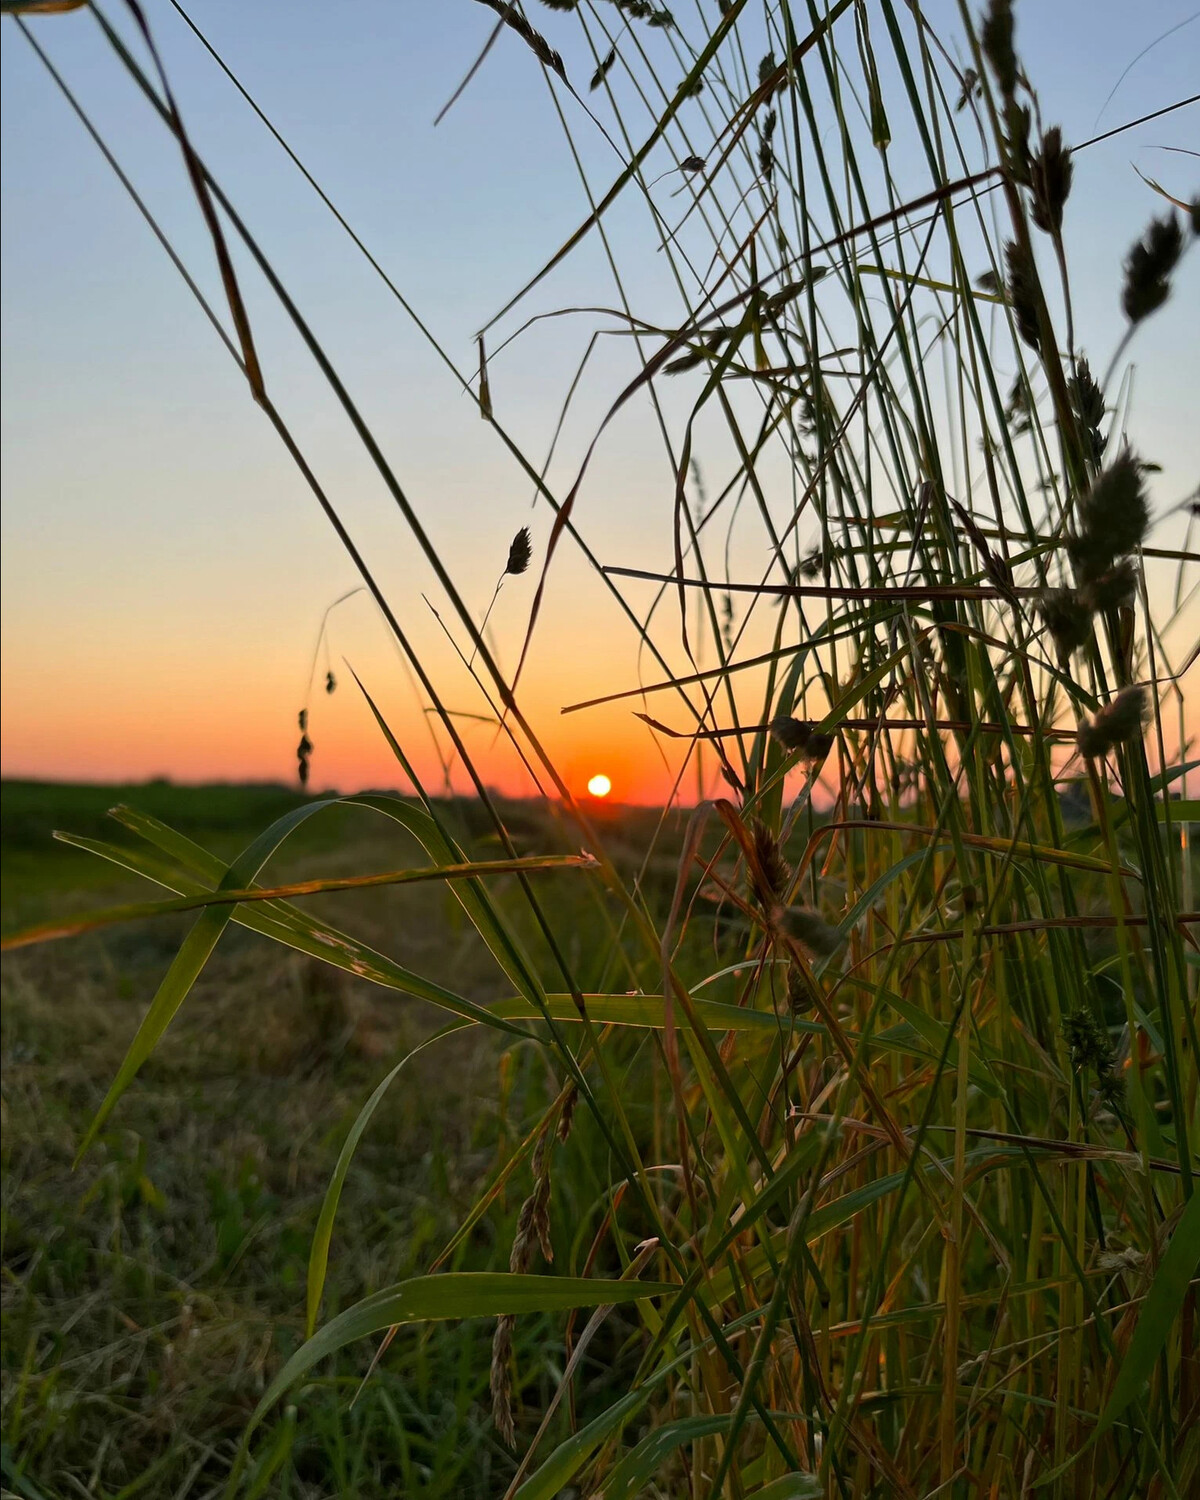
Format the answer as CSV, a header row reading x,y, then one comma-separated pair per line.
x,y
1111,590
534,40
996,39
1114,515
304,752
1148,268
1087,402
1022,288
602,71
1115,724
818,747
1050,174
500,1378
792,734
567,1113
519,553
769,871
533,1229
1067,618
800,996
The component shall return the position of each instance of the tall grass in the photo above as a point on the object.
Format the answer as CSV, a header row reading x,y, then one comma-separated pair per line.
x,y
875,1121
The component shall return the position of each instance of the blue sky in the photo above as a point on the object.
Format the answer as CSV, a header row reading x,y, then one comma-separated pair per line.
x,y
164,569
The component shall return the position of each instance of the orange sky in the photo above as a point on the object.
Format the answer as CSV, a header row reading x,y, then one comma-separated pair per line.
x,y
165,568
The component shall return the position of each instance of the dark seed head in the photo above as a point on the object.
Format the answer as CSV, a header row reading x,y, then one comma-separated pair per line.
x,y
799,991
601,72
1050,178
692,164
1067,619
1087,402
303,719
1111,590
818,747
330,682
1087,1041
771,872
996,38
519,552
792,734
1148,268
1115,724
1114,515
1022,293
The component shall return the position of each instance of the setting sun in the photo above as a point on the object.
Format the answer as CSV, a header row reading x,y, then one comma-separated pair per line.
x,y
600,786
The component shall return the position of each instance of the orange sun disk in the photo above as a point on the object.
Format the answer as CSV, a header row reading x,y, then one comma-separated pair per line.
x,y
599,786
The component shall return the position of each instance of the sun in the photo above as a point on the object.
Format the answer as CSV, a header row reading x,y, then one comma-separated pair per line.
x,y
600,786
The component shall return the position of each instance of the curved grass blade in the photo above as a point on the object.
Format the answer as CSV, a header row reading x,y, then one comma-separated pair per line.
x,y
191,958
73,926
318,1257
454,1294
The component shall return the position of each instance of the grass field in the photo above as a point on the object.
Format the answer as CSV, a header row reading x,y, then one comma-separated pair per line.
x,y
148,1294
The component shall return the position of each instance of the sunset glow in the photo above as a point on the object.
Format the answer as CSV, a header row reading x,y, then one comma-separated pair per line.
x,y
600,786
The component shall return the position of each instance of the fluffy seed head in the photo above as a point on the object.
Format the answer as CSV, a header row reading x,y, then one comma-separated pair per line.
x,y
1115,724
792,734
1114,515
1067,619
1111,590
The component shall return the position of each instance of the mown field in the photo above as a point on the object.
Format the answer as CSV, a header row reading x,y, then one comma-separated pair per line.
x,y
149,1293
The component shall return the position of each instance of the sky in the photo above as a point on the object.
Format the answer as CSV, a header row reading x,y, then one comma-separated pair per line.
x,y
165,570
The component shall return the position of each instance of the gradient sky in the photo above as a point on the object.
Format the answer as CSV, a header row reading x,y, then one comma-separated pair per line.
x,y
164,567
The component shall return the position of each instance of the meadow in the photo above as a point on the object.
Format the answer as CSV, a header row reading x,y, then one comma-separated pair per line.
x,y
833,1136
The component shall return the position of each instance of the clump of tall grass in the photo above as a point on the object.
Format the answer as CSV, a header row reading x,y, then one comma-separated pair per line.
x,y
886,1102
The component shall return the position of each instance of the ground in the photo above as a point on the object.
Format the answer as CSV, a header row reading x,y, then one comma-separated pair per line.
x,y
150,1290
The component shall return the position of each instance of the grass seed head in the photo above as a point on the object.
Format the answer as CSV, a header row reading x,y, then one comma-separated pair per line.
x,y
792,734
799,990
1050,174
1148,268
1111,590
1114,515
1068,620
601,72
519,553
501,1378
1022,288
996,39
1115,724
1087,402
770,873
